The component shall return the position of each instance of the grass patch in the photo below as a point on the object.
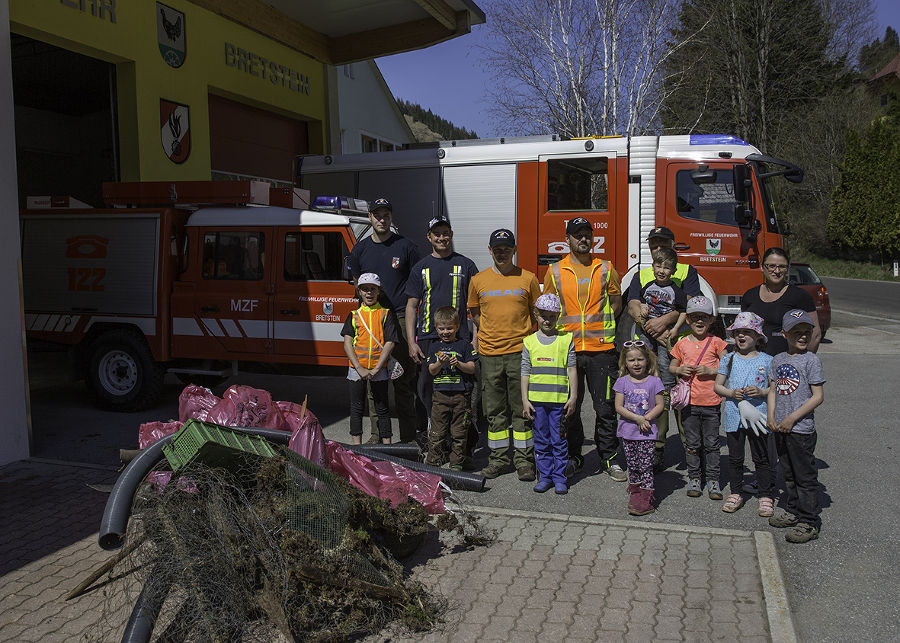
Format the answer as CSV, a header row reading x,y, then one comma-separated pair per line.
x,y
845,268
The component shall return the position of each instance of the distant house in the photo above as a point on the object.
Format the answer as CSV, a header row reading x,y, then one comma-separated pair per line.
x,y
368,116
885,85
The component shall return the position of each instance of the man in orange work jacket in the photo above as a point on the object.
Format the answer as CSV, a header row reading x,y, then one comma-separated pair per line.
x,y
591,297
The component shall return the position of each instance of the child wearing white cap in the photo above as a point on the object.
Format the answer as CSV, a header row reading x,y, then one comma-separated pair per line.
x,y
370,333
549,390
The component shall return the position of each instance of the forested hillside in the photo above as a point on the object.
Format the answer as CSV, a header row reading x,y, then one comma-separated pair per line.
x,y
435,128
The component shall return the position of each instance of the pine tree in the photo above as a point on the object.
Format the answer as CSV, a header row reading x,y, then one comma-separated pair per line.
x,y
435,123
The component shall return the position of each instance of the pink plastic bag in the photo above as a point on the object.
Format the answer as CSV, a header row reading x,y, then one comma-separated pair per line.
x,y
195,402
150,432
306,432
247,406
387,480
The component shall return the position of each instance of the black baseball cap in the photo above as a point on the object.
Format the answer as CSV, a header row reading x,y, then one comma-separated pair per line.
x,y
441,220
577,224
381,202
502,237
665,233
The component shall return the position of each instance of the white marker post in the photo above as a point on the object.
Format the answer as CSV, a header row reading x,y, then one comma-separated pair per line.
x,y
896,268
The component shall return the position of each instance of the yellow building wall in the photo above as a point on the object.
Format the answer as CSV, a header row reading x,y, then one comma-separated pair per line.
x,y
143,77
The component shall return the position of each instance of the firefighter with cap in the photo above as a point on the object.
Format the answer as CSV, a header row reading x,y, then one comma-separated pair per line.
x,y
500,302
591,299
686,278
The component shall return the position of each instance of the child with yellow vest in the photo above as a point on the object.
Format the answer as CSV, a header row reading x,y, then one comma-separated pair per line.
x,y
370,333
549,390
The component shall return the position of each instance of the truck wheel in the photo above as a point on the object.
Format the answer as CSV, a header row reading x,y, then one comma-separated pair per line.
x,y
122,373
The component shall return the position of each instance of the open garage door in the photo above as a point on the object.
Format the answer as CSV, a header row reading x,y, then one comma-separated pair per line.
x,y
66,140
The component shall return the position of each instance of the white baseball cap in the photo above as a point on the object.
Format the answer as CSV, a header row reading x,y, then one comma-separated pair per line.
x,y
368,278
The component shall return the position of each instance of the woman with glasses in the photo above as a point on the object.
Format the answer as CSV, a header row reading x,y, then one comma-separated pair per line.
x,y
775,297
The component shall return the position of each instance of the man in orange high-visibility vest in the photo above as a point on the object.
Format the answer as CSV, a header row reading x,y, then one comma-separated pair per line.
x,y
591,298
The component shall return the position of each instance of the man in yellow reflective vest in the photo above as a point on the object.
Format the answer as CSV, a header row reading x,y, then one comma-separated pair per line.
x,y
591,299
686,278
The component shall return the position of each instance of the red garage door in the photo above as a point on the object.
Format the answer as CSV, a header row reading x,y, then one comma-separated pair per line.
x,y
249,141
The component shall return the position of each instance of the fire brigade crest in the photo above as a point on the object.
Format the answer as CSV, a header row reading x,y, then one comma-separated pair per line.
x,y
713,246
174,130
170,35
327,307
395,262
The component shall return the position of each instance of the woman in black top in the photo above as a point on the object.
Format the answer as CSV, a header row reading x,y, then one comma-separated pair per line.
x,y
775,297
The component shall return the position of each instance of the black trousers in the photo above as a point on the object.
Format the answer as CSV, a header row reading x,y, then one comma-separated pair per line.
x,y
380,402
599,369
759,453
796,452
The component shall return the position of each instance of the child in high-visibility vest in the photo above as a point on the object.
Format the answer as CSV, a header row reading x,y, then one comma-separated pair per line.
x,y
639,401
549,390
370,333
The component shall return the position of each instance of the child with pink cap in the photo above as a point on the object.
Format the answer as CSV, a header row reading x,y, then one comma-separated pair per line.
x,y
743,381
549,390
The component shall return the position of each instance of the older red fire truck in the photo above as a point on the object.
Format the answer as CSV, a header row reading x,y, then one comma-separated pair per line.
x,y
197,277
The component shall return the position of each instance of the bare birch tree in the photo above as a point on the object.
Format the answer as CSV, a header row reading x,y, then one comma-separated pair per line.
x,y
579,67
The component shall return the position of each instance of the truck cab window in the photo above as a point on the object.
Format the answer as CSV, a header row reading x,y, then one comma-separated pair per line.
x,y
234,255
710,202
577,184
314,256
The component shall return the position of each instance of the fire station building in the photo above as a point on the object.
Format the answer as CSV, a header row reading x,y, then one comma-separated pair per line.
x,y
106,90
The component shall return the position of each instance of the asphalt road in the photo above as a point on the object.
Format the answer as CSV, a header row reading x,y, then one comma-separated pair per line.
x,y
842,586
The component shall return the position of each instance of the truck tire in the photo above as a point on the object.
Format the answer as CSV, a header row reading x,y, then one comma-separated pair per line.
x,y
122,372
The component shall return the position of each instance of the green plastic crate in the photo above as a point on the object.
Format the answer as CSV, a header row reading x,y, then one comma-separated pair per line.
x,y
213,446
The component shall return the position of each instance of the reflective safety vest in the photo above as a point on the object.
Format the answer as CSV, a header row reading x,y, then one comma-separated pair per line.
x,y
549,378
591,322
681,272
456,277
368,350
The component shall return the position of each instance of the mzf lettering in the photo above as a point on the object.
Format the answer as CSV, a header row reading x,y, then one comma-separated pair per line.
x,y
518,292
265,69
244,305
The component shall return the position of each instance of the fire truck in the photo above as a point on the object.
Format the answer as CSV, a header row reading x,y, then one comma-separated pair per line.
x,y
195,278
190,278
714,192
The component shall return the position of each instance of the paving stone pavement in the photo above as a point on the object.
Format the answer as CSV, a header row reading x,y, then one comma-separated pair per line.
x,y
543,577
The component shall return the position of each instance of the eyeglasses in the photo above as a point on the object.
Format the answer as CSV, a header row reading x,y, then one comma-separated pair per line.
x,y
775,267
636,344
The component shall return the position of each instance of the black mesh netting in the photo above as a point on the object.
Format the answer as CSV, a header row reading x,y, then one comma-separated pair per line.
x,y
276,545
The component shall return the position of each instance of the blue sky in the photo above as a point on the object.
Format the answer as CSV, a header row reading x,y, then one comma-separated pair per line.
x,y
447,78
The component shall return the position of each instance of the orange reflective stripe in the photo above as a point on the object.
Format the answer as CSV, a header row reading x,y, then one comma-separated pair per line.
x,y
368,351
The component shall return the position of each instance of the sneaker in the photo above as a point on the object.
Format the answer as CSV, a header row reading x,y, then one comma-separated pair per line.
x,y
561,488
659,461
493,470
574,465
712,488
542,486
693,488
617,473
784,519
802,533
526,473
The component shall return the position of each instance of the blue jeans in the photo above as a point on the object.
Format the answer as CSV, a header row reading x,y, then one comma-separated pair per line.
x,y
701,437
550,448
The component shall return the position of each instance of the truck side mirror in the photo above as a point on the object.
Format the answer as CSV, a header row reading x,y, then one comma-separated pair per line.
x,y
347,274
742,215
741,183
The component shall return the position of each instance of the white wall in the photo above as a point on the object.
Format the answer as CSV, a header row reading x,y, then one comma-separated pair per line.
x,y
13,386
366,107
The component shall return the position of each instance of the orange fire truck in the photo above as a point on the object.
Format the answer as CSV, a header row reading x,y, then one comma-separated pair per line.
x,y
197,277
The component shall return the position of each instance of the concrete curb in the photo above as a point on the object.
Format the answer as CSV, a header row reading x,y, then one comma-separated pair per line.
x,y
612,522
781,625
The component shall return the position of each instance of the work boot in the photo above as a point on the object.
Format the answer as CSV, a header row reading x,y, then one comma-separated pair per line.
x,y
802,533
574,465
493,470
526,473
784,519
659,460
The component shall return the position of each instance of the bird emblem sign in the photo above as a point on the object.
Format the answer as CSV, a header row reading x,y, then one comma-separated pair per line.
x,y
713,246
170,35
175,130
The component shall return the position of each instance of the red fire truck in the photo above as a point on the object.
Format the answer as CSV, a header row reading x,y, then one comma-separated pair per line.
x,y
197,277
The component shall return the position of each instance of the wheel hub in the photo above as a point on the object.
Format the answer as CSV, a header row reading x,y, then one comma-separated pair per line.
x,y
118,372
